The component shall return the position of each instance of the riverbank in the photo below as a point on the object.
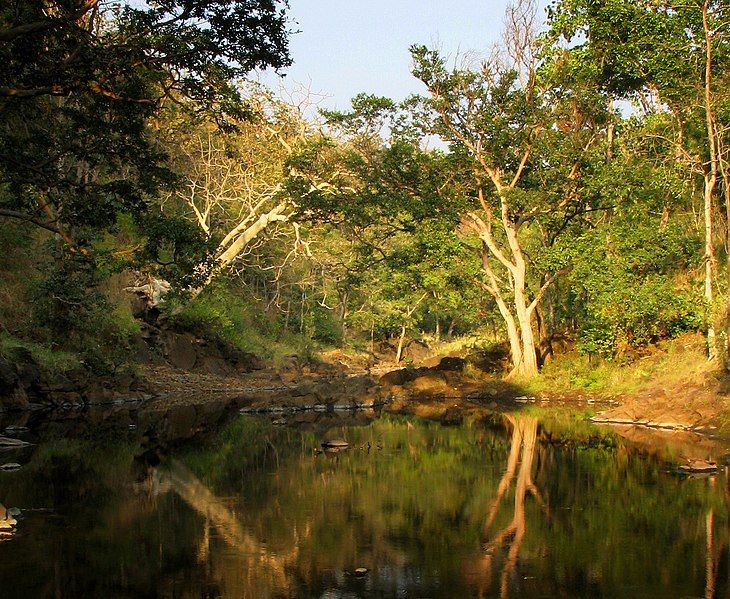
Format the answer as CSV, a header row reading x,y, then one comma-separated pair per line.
x,y
671,387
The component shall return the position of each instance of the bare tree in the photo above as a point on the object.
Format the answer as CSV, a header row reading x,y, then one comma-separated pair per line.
x,y
233,187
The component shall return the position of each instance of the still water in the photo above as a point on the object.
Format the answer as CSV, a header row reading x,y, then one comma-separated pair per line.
x,y
205,503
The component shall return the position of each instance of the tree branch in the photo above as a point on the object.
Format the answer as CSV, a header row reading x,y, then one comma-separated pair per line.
x,y
30,219
540,294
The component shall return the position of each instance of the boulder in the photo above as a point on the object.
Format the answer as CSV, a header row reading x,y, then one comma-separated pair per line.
x,y
9,442
29,373
430,384
398,378
451,364
214,365
8,377
181,351
335,444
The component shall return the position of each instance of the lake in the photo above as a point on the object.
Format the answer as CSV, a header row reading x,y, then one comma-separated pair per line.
x,y
204,502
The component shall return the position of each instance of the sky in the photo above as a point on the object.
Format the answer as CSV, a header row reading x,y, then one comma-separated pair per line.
x,y
345,47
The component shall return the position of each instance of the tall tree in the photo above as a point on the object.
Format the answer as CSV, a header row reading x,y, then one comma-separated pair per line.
x,y
673,57
524,141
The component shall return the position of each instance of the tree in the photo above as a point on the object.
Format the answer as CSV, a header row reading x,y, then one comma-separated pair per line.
x,y
395,202
233,184
670,57
81,82
524,141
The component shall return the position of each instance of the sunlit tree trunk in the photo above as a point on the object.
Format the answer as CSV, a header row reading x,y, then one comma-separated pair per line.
x,y
710,182
710,573
404,328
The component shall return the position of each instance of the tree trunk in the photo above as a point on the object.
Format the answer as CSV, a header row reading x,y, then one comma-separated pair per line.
x,y
710,184
399,351
709,268
544,334
528,366
452,327
236,241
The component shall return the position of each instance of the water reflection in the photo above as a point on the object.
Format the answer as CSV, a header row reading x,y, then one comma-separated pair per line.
x,y
522,450
515,507
266,572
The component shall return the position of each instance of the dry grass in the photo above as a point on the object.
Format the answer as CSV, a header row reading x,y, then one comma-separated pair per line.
x,y
678,362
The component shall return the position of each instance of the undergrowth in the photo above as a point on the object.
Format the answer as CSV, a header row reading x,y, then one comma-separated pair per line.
x,y
242,321
672,363
52,361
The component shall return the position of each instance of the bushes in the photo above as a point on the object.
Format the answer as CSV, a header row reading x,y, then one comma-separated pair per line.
x,y
631,286
638,312
70,312
242,320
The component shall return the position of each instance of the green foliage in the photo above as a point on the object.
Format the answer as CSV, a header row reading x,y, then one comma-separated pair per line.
x,y
239,318
52,361
71,312
629,280
178,248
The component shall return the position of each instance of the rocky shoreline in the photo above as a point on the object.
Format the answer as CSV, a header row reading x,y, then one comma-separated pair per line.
x,y
190,371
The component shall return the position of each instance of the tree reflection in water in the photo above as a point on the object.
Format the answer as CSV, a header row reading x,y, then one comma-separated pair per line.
x,y
260,565
522,452
438,512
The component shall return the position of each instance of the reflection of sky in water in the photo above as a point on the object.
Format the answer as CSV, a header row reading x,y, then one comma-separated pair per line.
x,y
254,511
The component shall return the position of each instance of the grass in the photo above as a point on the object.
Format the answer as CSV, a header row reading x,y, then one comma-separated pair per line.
x,y
462,344
670,364
50,360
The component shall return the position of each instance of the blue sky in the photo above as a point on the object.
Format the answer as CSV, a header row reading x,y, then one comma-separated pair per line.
x,y
349,46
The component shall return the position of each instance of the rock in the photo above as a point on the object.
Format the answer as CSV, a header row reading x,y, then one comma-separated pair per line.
x,y
335,444
667,425
29,373
430,384
698,466
398,378
451,363
342,405
8,442
8,377
361,571
10,466
181,351
213,365
18,399
416,350
7,522
14,429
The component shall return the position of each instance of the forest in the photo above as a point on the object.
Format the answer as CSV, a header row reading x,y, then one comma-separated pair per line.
x,y
563,198
470,342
